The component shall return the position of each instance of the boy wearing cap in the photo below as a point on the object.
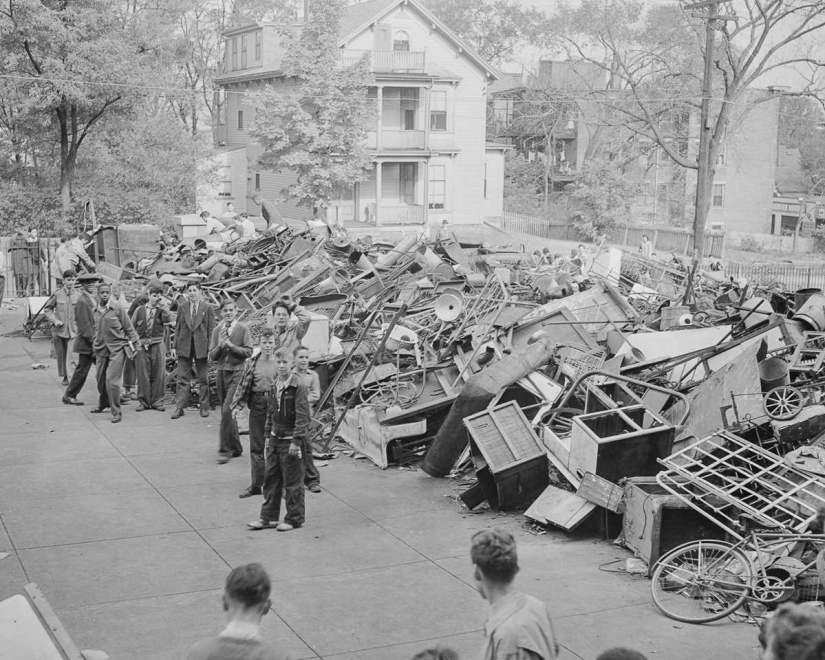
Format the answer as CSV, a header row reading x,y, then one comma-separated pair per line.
x,y
84,311
149,320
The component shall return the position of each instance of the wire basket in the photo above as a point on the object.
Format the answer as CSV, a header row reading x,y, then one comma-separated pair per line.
x,y
575,362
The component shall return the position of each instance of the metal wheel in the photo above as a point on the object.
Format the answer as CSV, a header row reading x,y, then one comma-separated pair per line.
x,y
773,588
700,582
783,402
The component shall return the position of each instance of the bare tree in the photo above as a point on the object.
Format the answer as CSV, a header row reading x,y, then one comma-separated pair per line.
x,y
653,59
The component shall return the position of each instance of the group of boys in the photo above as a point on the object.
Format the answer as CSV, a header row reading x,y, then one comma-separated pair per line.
x,y
105,334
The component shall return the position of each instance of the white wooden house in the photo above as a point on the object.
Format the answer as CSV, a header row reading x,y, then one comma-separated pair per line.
x,y
431,158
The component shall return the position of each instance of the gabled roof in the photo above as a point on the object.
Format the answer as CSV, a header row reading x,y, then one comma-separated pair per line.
x,y
361,16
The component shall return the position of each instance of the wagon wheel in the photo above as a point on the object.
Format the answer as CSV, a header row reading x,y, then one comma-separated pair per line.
x,y
783,402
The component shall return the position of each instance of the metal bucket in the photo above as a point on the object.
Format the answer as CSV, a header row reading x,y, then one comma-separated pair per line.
x,y
812,312
773,372
800,297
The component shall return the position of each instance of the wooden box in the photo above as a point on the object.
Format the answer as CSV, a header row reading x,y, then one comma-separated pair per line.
x,y
618,443
511,463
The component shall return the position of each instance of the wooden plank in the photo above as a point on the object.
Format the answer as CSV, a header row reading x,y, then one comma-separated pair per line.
x,y
560,508
601,492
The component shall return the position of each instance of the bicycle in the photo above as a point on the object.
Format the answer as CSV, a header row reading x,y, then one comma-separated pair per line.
x,y
707,580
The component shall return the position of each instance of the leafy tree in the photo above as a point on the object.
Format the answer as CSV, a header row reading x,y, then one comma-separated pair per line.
x,y
494,28
653,57
76,61
317,127
601,198
143,170
522,182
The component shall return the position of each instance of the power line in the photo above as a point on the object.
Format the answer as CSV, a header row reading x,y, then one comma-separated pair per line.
x,y
602,100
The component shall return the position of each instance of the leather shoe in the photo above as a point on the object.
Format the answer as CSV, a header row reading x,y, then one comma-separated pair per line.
x,y
178,413
159,408
204,413
116,418
65,382
249,492
224,458
71,401
141,408
314,488
99,409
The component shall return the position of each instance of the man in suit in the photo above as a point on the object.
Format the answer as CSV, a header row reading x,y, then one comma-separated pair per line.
x,y
84,311
193,330
231,346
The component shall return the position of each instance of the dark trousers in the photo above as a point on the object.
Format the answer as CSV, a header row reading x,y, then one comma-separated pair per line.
x,y
188,367
23,282
150,367
257,418
2,287
61,350
283,477
230,441
311,475
129,373
102,367
84,363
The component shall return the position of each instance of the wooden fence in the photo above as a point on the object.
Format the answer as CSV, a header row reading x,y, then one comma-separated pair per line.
x,y
788,277
664,239
32,262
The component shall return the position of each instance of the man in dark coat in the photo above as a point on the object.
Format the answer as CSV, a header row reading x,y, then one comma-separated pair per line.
x,y
193,330
84,311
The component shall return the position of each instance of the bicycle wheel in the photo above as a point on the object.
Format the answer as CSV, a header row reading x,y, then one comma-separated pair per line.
x,y
700,582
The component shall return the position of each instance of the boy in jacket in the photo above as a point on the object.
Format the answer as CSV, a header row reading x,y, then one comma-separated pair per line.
x,y
84,310
150,362
287,426
253,392
116,340
60,311
231,346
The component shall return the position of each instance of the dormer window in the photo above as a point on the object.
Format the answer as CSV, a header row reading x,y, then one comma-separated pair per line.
x,y
401,41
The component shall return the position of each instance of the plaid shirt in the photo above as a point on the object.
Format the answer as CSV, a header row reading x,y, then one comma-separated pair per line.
x,y
244,389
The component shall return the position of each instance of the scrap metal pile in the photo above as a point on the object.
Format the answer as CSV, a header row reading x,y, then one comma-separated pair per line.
x,y
602,381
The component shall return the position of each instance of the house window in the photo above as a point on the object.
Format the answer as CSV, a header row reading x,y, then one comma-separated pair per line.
x,y
438,186
401,41
722,156
438,111
243,51
240,120
718,200
257,180
258,42
234,53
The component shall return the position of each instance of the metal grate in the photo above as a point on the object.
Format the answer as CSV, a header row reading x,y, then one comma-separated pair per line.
x,y
724,476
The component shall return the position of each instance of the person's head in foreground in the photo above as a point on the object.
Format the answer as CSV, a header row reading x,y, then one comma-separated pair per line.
x,y
493,553
437,653
794,632
246,595
621,653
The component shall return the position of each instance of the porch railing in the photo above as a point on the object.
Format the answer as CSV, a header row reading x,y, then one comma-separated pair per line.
x,y
391,139
405,214
386,60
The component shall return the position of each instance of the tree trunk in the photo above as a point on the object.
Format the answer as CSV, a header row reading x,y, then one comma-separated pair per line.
x,y
67,117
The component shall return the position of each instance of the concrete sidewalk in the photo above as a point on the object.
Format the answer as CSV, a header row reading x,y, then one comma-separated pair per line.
x,y
130,530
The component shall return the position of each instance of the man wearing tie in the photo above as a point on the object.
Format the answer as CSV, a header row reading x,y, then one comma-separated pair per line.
x,y
193,329
149,321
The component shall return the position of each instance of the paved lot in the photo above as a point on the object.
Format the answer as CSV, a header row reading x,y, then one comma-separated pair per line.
x,y
130,530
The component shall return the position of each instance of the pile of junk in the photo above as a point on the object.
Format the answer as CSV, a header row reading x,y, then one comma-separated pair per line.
x,y
604,387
